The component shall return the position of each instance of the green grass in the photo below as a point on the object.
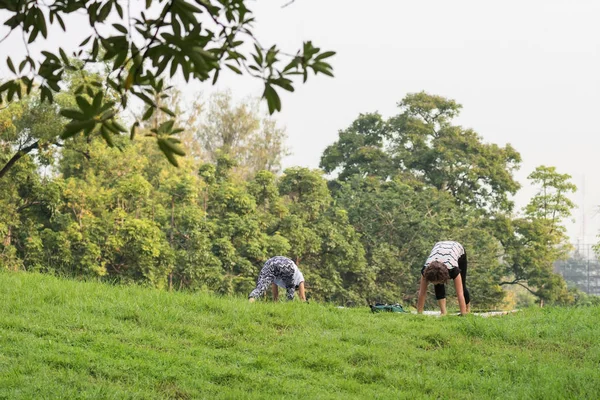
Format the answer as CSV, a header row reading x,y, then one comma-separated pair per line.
x,y
67,339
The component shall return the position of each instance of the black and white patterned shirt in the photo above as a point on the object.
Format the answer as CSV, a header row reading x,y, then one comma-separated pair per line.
x,y
447,252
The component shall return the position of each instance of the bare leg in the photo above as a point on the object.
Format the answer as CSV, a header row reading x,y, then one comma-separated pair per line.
x,y
442,304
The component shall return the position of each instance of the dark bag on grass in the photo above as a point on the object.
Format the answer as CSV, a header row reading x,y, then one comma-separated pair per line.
x,y
378,307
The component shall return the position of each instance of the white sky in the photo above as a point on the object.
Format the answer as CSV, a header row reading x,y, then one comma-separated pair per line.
x,y
526,73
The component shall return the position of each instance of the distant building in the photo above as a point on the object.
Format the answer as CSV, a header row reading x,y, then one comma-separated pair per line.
x,y
582,269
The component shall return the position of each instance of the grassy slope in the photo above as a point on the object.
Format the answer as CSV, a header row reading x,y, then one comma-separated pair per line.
x,y
65,339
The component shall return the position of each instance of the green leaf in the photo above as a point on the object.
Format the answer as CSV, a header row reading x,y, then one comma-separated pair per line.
x,y
72,114
10,64
41,23
104,12
322,67
120,60
324,55
110,126
234,69
46,94
95,49
28,84
148,114
258,57
167,152
74,127
61,22
97,102
119,10
83,104
173,148
283,83
273,100
64,57
120,127
107,135
85,41
166,127
120,28
33,35
145,99
168,112
6,85
11,93
133,130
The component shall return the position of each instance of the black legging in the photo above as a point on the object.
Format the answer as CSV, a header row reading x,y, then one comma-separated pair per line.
x,y
440,290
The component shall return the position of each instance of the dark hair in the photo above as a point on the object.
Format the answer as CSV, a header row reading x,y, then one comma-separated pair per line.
x,y
436,272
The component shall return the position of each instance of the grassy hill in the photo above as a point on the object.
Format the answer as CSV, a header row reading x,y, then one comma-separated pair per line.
x,y
67,339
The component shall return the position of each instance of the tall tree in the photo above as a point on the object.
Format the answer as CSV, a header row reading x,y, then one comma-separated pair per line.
x,y
28,127
399,221
536,240
323,242
421,141
237,130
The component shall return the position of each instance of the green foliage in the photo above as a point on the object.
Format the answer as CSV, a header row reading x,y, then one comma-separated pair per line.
x,y
26,126
422,142
323,242
534,242
143,46
65,339
239,131
123,214
400,220
416,178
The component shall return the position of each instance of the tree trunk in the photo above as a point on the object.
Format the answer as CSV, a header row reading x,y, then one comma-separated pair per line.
x,y
171,238
8,238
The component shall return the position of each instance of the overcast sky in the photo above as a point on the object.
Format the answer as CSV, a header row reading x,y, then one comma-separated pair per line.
x,y
526,73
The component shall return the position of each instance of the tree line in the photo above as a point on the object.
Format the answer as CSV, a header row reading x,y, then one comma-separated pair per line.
x,y
359,227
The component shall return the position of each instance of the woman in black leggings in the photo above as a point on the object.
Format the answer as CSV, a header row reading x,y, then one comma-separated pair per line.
x,y
447,260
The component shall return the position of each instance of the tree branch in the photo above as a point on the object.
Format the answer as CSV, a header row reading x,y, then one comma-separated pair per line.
x,y
516,282
17,156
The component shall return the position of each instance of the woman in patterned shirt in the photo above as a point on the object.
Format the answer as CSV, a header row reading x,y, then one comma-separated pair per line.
x,y
279,272
447,260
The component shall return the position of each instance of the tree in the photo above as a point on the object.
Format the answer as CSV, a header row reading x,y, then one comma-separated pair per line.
x,y
197,39
422,142
28,132
535,241
28,127
323,242
362,149
399,220
238,131
25,198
